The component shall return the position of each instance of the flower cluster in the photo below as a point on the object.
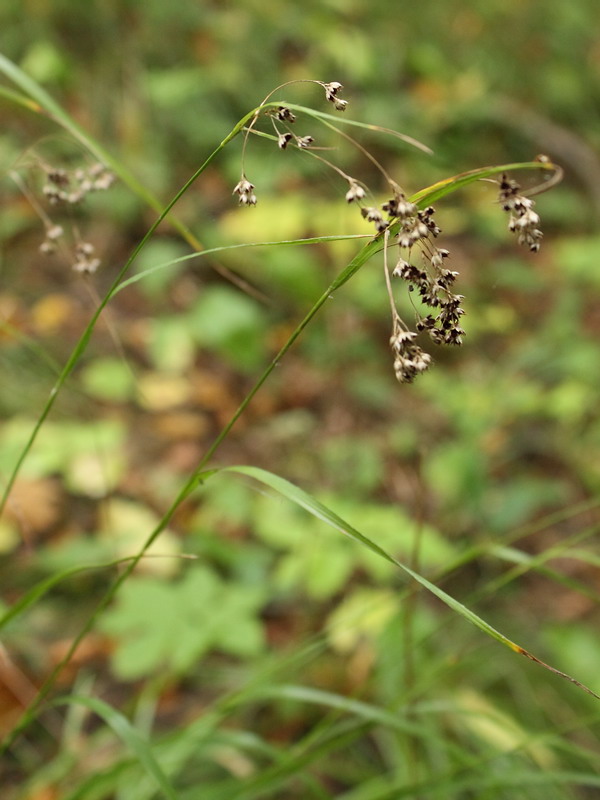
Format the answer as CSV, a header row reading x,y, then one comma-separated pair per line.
x,y
409,359
85,261
53,234
421,264
245,190
63,186
331,91
523,220
282,114
416,230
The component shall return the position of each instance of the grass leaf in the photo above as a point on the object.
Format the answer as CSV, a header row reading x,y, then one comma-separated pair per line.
x,y
317,509
129,735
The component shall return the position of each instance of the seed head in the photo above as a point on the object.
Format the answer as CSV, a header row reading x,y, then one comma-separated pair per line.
x,y
245,190
283,114
355,192
522,220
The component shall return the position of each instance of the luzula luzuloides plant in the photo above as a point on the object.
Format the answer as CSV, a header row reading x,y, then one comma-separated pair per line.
x,y
403,223
412,231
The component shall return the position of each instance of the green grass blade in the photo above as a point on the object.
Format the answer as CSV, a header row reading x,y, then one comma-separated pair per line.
x,y
343,120
43,587
20,100
45,104
129,735
317,509
198,476
396,720
83,342
281,243
473,784
442,188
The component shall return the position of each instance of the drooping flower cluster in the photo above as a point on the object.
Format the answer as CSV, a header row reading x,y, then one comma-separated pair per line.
x,y
245,190
85,260
401,223
409,359
414,231
523,220
65,186
281,114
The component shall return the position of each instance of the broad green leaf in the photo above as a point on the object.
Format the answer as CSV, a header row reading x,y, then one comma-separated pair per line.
x,y
170,626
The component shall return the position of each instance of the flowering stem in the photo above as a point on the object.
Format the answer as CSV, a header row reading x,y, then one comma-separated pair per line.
x,y
81,345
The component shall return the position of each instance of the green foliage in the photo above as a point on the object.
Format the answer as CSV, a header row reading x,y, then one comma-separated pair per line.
x,y
89,455
472,479
108,379
239,335
169,627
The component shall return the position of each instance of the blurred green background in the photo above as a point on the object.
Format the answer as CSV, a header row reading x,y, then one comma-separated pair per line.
x,y
497,447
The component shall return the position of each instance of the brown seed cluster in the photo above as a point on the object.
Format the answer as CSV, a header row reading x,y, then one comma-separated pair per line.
x,y
64,186
282,118
523,220
421,264
69,187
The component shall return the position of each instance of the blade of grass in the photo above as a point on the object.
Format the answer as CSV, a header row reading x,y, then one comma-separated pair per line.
x,y
44,586
129,735
312,112
317,509
81,345
456,786
440,189
200,474
282,243
20,100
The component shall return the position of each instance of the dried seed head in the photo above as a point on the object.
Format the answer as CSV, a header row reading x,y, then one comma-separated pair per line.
x,y
283,114
245,190
54,232
59,177
84,263
283,140
355,192
104,181
409,359
53,194
374,215
72,187
331,89
523,220
304,141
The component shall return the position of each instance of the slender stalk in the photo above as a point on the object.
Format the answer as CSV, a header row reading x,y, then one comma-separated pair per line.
x,y
81,345
198,475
